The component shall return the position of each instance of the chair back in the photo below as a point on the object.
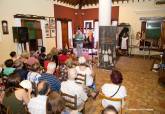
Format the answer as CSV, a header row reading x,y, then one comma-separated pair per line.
x,y
113,99
70,101
81,79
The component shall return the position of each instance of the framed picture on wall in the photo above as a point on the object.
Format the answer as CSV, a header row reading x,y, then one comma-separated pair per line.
x,y
5,27
47,32
52,22
88,24
52,33
47,23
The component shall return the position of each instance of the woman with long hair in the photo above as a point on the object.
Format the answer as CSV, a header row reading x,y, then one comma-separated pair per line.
x,y
15,95
54,104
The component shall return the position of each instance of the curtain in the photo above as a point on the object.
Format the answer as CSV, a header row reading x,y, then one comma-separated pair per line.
x,y
19,46
96,34
70,34
59,35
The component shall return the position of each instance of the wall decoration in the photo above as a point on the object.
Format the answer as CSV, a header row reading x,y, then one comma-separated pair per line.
x,y
52,32
52,22
50,27
47,32
88,24
5,27
47,23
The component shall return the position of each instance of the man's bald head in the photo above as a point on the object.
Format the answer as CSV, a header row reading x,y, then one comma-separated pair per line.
x,y
43,88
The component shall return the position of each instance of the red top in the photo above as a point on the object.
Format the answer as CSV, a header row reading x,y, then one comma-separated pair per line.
x,y
46,64
62,58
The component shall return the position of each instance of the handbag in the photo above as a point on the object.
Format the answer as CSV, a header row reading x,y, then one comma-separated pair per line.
x,y
116,91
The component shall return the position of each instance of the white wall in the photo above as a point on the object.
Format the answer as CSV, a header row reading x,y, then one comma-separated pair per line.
x,y
8,8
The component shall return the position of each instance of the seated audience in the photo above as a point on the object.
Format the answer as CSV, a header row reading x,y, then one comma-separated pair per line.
x,y
54,83
13,55
24,57
9,67
83,69
54,53
47,60
55,104
22,72
72,88
114,90
16,94
37,105
109,110
32,59
34,73
63,56
42,56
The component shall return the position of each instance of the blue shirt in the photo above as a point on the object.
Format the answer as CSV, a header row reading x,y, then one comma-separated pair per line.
x,y
54,83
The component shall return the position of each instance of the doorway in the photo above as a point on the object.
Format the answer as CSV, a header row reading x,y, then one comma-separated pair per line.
x,y
65,40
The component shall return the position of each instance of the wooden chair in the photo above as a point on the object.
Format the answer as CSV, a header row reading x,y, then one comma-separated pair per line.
x,y
71,102
102,96
81,79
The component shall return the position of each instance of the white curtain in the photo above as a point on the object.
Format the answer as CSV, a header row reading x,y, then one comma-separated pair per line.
x,y
59,35
43,32
19,46
96,33
70,34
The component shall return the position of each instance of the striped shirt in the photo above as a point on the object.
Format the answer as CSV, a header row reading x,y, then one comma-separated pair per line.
x,y
54,83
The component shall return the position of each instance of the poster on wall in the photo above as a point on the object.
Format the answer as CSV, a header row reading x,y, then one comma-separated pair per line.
x,y
88,24
52,32
52,22
47,33
5,27
47,23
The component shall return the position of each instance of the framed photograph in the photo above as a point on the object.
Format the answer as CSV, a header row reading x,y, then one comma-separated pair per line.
x,y
88,24
47,23
5,27
52,32
52,22
47,32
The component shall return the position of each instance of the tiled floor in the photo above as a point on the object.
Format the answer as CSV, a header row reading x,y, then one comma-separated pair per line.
x,y
143,89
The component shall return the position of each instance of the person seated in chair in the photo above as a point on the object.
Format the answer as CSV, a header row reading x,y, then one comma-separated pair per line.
x,y
16,94
109,110
52,80
20,70
72,88
37,105
114,90
9,67
13,55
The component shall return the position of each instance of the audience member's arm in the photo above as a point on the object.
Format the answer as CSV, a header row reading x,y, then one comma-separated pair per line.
x,y
27,96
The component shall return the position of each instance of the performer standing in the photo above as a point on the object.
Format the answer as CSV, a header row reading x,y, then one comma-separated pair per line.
x,y
79,42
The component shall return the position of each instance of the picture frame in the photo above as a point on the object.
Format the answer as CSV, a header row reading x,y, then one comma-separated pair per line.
x,y
52,22
47,33
88,24
5,29
52,33
47,23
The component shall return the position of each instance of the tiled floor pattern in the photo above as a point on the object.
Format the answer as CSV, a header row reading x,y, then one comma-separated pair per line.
x,y
144,91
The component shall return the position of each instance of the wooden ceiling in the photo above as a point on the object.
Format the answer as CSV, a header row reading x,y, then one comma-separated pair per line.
x,y
85,2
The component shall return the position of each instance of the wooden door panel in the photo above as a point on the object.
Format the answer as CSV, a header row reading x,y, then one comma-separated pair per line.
x,y
65,41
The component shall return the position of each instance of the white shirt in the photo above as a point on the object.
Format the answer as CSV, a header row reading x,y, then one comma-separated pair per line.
x,y
33,76
88,72
72,88
109,90
37,105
